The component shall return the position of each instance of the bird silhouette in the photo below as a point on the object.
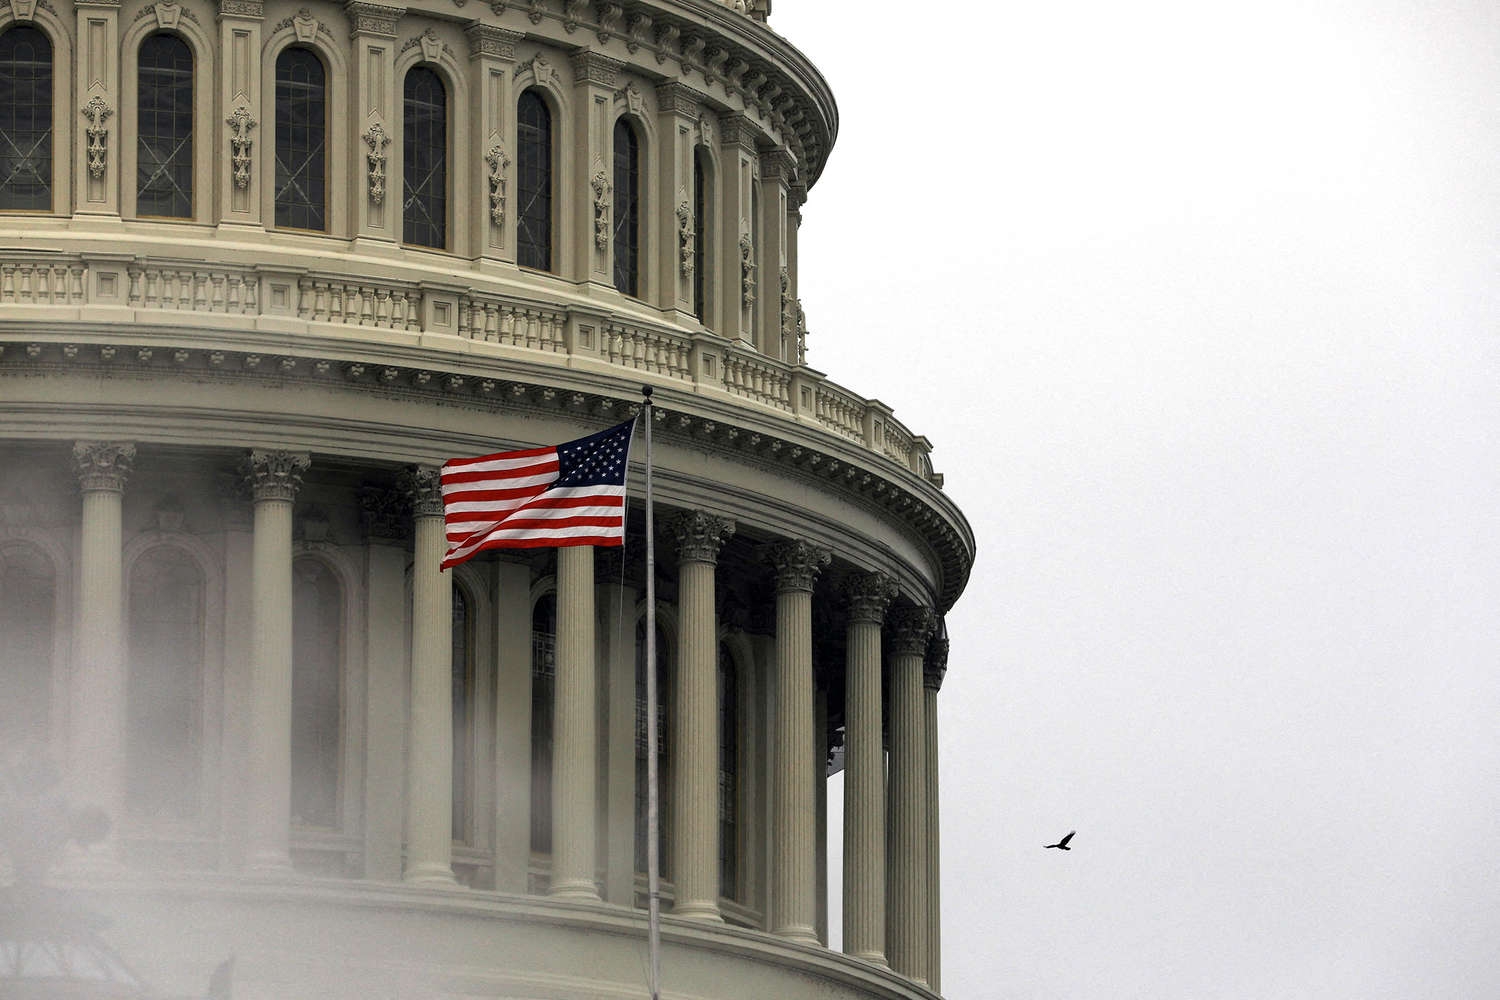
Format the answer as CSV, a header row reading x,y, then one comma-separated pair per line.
x,y
1062,845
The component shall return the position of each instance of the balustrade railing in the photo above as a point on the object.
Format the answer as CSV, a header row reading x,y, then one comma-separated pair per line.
x,y
166,285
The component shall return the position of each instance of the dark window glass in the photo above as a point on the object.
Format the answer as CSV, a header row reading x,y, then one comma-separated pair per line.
x,y
424,163
627,202
25,120
543,677
317,694
463,718
664,679
301,141
166,675
164,148
533,182
700,232
729,782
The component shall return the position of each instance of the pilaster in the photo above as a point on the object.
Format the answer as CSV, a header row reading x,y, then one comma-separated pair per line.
x,y
776,169
794,810
374,156
96,160
680,108
695,766
98,726
240,121
575,729
595,78
429,791
492,57
274,478
906,935
738,271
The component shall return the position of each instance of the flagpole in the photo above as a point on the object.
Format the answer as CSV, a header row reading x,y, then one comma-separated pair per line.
x,y
653,820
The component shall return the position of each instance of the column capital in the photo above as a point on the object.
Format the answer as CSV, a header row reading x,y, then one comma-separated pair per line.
x,y
910,629
778,165
680,99
699,535
423,487
797,563
372,18
596,68
741,131
869,595
488,40
936,666
103,466
253,10
275,475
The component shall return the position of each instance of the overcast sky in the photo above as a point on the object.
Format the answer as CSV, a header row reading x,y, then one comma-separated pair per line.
x,y
1199,304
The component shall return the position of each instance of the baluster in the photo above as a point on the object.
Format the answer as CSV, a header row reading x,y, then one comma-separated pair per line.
x,y
79,293
7,282
134,275
23,287
381,311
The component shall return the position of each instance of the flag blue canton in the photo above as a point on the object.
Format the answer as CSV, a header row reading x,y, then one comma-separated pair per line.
x,y
599,459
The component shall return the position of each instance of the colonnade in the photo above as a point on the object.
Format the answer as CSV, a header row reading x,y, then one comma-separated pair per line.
x,y
890,836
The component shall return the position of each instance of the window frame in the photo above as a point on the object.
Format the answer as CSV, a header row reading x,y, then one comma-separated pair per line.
x,y
548,104
448,220
58,134
329,118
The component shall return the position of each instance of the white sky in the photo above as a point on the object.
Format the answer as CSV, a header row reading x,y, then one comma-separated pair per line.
x,y
1199,304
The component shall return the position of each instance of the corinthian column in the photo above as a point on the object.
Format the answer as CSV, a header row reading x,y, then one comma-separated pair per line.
x,y
864,770
98,731
932,680
906,940
274,477
695,742
429,791
793,768
575,735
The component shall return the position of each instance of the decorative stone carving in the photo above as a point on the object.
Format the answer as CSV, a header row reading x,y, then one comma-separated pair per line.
x,y
498,161
97,112
685,239
535,10
910,627
610,15
692,52
384,513
639,31
487,40
666,42
602,189
167,14
591,67
573,13
275,475
423,487
376,139
305,26
373,18
631,98
25,10
796,563
747,270
240,123
103,466
801,356
706,130
699,535
542,71
869,596
714,64
788,322
936,666
242,8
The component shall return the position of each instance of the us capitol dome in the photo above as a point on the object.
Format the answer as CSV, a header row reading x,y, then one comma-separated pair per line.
x,y
264,266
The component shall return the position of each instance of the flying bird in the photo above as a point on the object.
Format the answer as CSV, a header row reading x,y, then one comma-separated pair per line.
x,y
1062,845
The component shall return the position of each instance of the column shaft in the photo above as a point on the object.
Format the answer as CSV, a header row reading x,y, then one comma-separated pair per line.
x,y
695,744
907,900
575,731
932,681
864,772
429,793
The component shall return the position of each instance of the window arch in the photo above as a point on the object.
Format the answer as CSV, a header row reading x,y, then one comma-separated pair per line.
x,y
729,782
700,232
543,679
26,88
424,159
301,185
163,695
533,181
28,596
627,208
164,126
317,694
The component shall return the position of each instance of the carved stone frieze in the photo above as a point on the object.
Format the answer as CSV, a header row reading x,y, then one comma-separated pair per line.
x,y
796,563
373,18
103,466
910,627
275,475
678,99
423,487
242,9
869,596
739,132
488,40
699,535
241,123
97,111
596,68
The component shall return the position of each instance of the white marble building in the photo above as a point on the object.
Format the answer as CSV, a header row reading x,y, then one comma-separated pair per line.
x,y
263,267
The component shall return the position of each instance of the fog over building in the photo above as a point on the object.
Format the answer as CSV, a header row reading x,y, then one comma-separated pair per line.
x,y
264,266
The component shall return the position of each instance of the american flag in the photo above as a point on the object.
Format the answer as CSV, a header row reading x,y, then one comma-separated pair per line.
x,y
573,494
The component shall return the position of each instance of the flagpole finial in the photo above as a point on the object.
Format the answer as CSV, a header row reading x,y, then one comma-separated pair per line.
x,y
646,391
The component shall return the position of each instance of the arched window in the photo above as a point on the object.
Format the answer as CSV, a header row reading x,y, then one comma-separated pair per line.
x,y
424,163
463,716
163,696
700,232
664,680
317,694
25,120
627,202
729,782
301,140
543,678
533,182
164,121
28,588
